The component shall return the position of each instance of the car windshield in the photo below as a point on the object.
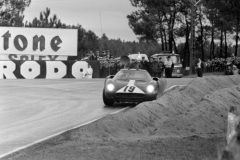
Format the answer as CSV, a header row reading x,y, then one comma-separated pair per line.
x,y
134,56
175,59
137,75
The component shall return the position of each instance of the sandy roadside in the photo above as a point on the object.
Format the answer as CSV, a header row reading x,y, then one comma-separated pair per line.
x,y
185,123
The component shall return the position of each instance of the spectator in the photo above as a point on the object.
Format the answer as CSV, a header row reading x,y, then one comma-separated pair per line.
x,y
154,68
168,67
229,70
92,56
235,70
108,55
150,66
145,64
87,74
135,64
160,67
199,67
97,55
103,53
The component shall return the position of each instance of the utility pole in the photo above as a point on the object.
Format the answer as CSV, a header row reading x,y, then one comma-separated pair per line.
x,y
191,67
100,48
193,13
100,16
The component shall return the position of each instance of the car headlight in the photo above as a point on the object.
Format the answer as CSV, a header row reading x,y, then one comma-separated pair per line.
x,y
110,87
150,88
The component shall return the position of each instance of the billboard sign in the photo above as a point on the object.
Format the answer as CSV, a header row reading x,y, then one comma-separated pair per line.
x,y
47,69
17,57
38,41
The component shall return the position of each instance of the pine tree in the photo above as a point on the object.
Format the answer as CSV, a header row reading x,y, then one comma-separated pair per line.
x,y
11,12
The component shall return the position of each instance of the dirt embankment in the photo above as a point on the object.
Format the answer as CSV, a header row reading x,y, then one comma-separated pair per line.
x,y
198,109
182,124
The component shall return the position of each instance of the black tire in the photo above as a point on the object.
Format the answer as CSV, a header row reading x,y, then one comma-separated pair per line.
x,y
107,101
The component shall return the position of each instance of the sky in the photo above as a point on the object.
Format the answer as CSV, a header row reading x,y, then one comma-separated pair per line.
x,y
99,16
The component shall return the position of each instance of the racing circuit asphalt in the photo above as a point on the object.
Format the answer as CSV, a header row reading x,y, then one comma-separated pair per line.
x,y
31,110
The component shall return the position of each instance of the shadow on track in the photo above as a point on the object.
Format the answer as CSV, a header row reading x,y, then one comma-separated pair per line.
x,y
122,105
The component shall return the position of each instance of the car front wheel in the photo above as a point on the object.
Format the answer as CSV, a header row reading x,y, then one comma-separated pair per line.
x,y
107,101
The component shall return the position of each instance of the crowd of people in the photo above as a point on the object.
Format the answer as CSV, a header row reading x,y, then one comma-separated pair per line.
x,y
229,66
97,56
156,67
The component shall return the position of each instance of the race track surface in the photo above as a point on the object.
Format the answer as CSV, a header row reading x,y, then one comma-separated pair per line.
x,y
31,110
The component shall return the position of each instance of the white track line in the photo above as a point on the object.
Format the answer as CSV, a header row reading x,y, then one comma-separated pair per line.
x,y
56,134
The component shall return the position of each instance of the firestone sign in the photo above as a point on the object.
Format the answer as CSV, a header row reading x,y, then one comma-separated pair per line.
x,y
42,69
38,41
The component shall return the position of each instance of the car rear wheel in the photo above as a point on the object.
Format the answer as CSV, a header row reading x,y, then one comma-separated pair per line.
x,y
107,101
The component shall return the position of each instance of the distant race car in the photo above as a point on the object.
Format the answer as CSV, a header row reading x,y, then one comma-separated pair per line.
x,y
130,85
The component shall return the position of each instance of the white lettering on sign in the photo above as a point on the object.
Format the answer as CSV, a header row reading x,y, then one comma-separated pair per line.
x,y
40,69
6,69
13,57
55,70
78,68
16,57
30,69
38,41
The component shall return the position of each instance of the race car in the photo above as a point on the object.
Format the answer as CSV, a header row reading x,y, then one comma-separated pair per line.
x,y
130,85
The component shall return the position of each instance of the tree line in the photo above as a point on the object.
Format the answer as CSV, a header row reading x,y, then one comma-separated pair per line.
x,y
161,25
13,15
216,24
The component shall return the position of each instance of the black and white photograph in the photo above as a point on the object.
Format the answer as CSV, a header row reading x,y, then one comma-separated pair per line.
x,y
119,80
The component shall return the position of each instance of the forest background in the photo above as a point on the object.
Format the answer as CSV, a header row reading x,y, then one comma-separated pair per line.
x,y
161,25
